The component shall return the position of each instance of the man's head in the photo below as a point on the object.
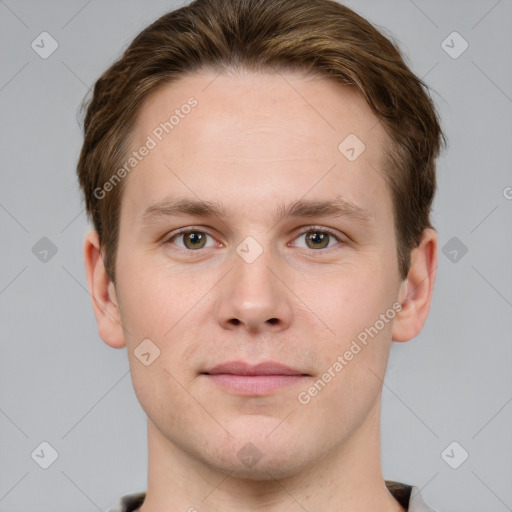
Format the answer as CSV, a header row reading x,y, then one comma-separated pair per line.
x,y
319,36
279,213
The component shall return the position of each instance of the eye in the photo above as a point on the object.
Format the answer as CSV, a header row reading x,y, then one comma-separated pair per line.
x,y
318,239
191,239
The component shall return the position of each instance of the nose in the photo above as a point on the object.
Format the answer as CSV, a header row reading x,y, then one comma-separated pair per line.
x,y
252,297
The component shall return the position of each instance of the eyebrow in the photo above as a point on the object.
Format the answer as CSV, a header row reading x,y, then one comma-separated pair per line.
x,y
172,207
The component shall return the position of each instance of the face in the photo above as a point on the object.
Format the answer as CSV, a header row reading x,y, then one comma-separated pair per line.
x,y
249,235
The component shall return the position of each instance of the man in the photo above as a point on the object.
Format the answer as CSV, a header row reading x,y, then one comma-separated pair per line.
x,y
260,176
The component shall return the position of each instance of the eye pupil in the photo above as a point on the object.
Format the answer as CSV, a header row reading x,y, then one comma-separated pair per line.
x,y
194,240
317,237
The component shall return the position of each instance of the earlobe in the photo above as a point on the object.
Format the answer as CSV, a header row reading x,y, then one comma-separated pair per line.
x,y
416,290
103,294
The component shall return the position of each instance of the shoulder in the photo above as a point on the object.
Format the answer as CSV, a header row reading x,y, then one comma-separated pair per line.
x,y
408,496
128,503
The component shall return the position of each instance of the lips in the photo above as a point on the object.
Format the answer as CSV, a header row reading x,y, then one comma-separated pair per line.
x,y
241,368
240,378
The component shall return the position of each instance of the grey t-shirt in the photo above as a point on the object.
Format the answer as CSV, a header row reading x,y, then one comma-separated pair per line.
x,y
407,495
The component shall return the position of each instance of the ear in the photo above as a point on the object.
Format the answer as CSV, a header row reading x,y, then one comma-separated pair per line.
x,y
103,294
416,290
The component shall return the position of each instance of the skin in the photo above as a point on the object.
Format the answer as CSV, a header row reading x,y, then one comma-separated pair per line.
x,y
256,141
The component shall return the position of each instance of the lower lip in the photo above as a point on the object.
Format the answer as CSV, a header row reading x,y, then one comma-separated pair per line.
x,y
253,384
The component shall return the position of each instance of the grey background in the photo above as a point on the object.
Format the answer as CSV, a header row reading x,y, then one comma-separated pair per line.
x,y
61,384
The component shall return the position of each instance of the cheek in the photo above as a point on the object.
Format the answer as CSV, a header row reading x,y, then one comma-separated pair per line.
x,y
162,307
162,395
354,350
348,300
154,299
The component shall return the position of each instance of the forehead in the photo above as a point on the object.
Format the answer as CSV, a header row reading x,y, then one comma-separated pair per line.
x,y
311,108
254,134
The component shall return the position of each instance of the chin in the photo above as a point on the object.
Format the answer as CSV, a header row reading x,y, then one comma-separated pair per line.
x,y
261,460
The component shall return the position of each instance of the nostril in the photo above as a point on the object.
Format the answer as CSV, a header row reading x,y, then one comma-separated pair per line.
x,y
272,321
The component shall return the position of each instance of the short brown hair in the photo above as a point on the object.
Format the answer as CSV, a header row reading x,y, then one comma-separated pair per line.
x,y
320,36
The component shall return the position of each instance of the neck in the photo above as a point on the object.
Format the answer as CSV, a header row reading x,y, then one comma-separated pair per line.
x,y
349,479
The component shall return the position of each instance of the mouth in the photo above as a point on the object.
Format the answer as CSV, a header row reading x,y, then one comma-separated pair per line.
x,y
256,380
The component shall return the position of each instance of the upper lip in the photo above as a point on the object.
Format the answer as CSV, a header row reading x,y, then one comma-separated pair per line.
x,y
242,368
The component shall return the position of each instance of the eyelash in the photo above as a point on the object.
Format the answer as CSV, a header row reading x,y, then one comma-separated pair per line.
x,y
308,229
